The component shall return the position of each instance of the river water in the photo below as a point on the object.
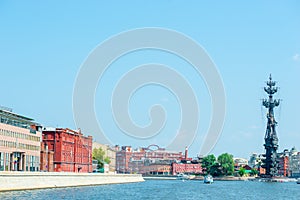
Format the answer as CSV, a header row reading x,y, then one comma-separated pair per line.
x,y
167,189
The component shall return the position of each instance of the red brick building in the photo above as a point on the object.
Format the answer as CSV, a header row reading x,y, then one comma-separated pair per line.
x,y
157,169
188,168
154,160
129,160
46,162
283,165
72,152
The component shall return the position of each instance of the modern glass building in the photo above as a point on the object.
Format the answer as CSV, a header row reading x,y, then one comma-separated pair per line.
x,y
20,140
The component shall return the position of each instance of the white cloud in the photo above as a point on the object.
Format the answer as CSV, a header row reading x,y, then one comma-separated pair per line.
x,y
296,57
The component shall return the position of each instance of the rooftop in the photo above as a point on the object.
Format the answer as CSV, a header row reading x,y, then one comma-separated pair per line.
x,y
8,117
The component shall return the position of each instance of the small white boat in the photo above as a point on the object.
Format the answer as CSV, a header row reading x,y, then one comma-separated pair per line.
x,y
208,179
183,176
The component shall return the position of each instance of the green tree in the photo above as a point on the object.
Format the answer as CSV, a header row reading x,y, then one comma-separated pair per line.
x,y
208,162
226,163
215,169
107,160
99,155
242,171
253,172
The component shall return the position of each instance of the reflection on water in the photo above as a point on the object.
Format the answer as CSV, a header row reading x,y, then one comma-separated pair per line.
x,y
171,189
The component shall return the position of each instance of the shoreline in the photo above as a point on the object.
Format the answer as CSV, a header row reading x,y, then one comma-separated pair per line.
x,y
16,181
200,178
225,178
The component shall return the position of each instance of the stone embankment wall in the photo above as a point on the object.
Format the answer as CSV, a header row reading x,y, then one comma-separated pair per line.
x,y
37,180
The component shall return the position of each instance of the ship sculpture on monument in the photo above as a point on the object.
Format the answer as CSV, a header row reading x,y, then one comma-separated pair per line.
x,y
270,162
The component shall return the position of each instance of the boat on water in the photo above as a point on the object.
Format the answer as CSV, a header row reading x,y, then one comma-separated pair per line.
x,y
183,176
298,181
208,179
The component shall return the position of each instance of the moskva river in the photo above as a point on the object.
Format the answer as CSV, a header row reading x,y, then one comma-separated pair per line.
x,y
167,189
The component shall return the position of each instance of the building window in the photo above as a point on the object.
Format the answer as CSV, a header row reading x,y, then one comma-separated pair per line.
x,y
27,163
1,161
32,159
7,161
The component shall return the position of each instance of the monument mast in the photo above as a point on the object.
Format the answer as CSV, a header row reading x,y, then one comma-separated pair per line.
x,y
270,163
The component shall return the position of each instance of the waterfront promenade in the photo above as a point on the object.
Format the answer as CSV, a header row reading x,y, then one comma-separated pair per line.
x,y
10,181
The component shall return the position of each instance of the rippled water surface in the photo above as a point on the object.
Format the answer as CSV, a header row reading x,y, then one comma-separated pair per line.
x,y
163,189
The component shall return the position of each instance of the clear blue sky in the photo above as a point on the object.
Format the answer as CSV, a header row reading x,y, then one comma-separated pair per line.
x,y
43,45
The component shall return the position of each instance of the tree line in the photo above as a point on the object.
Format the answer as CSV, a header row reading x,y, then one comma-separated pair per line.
x,y
221,166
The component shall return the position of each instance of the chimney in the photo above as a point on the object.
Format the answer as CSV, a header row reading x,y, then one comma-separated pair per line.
x,y
186,153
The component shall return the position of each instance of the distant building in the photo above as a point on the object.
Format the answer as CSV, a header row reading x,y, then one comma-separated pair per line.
x,y
283,163
150,160
261,170
253,161
294,163
288,163
239,162
72,150
187,168
19,142
130,160
110,152
156,169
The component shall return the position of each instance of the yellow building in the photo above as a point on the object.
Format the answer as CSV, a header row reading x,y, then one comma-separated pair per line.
x,y
110,152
